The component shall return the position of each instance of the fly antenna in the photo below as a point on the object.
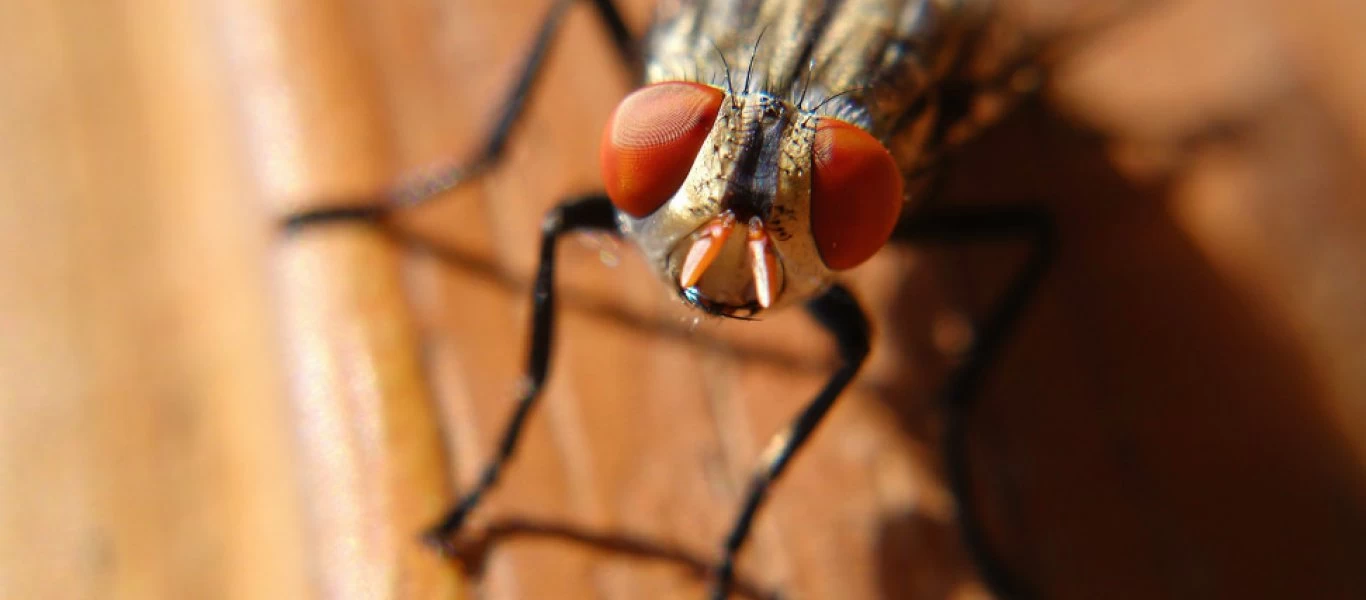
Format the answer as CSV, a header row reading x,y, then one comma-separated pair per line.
x,y
844,93
801,102
730,87
750,70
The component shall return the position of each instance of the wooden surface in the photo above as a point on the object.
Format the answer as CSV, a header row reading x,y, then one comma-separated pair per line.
x,y
197,406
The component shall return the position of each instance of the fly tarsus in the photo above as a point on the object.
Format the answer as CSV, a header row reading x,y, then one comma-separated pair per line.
x,y
341,213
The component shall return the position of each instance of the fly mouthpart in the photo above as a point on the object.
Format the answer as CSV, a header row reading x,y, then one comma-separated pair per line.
x,y
763,263
744,312
730,274
705,248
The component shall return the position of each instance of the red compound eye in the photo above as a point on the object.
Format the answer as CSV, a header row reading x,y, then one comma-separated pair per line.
x,y
651,141
855,194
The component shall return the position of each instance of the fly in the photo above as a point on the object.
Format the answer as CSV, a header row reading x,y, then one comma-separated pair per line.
x,y
772,145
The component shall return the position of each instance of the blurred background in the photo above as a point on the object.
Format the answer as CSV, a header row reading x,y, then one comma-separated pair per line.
x,y
195,406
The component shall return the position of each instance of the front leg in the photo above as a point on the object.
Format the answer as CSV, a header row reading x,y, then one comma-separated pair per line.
x,y
578,214
839,313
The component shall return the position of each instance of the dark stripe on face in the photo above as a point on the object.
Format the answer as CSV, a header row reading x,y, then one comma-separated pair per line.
x,y
754,182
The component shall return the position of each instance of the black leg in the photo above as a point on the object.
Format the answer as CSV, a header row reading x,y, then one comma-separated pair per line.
x,y
1029,224
579,214
517,98
621,36
426,187
839,313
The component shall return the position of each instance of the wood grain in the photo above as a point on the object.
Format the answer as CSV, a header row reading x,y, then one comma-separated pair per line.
x,y
144,451
196,405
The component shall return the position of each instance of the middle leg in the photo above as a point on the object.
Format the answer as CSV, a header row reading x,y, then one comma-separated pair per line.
x,y
958,225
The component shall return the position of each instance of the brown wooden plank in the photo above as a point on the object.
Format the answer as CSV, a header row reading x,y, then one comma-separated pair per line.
x,y
196,406
371,470
143,449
